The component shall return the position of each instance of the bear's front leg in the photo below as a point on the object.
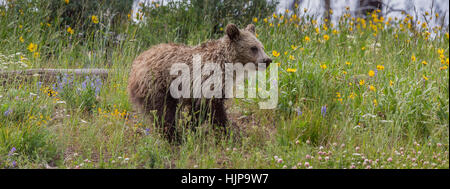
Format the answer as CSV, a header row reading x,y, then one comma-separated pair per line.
x,y
219,113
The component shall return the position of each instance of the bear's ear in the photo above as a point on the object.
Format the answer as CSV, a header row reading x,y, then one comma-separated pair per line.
x,y
251,28
232,32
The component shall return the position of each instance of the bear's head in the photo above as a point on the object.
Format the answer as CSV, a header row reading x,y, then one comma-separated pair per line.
x,y
247,48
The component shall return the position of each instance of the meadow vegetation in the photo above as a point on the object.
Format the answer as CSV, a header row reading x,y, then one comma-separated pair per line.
x,y
362,92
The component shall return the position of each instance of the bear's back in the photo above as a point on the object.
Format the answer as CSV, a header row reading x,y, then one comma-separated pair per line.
x,y
151,68
162,55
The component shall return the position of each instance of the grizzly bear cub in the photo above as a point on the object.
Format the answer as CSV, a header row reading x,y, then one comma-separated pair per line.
x,y
149,79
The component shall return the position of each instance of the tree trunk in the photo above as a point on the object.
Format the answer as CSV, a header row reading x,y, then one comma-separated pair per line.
x,y
295,2
327,11
368,6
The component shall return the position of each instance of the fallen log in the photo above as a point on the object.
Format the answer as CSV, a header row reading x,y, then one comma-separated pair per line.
x,y
49,75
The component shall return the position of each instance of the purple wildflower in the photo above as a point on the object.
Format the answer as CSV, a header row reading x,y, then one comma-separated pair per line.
x,y
39,84
98,85
14,164
64,81
70,80
324,110
97,90
83,85
98,82
299,111
65,77
11,152
7,112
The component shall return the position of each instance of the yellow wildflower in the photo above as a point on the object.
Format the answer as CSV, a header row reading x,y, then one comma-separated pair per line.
x,y
70,30
352,95
424,25
371,73
380,67
335,32
32,47
275,53
362,82
291,70
94,19
307,39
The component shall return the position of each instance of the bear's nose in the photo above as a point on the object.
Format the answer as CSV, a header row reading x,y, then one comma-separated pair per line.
x,y
267,60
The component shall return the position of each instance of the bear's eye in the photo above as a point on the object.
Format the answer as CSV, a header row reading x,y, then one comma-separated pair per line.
x,y
254,49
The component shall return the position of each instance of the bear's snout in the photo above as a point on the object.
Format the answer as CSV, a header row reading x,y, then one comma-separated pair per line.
x,y
267,60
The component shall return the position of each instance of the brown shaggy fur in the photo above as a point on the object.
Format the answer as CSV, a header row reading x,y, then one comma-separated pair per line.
x,y
149,80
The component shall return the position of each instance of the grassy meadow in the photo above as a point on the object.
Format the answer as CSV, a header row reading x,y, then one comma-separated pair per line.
x,y
357,93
